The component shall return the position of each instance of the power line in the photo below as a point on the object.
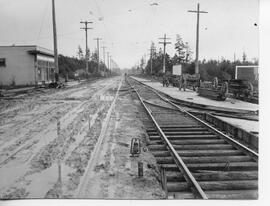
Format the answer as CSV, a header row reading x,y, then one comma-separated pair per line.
x,y
42,22
86,28
103,22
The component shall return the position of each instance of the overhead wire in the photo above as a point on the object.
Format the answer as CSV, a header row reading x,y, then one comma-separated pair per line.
x,y
104,24
42,21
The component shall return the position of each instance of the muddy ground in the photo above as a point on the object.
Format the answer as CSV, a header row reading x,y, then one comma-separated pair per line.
x,y
116,174
32,153
30,147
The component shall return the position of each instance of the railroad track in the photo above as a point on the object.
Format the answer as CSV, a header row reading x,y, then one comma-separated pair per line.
x,y
197,160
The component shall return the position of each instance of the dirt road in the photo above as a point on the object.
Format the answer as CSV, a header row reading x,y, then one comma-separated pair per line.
x,y
29,144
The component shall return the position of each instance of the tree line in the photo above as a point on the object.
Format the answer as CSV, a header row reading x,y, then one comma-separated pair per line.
x,y
68,66
223,69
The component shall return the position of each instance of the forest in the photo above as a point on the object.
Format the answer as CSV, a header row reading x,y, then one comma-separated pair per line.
x,y
224,69
68,66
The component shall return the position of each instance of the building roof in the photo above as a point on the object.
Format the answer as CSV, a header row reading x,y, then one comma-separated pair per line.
x,y
40,50
34,49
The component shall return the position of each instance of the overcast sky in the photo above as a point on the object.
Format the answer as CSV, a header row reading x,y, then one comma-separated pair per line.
x,y
127,27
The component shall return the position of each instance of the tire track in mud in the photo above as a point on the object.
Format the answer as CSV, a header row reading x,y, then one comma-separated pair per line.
x,y
97,149
39,123
71,131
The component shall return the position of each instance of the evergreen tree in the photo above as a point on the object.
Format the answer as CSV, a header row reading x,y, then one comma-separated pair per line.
x,y
180,49
80,53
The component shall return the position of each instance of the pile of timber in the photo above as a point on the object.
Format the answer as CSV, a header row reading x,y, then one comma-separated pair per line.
x,y
207,89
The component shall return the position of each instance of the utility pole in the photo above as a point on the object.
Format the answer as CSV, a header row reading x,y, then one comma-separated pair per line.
x,y
87,51
98,39
104,54
56,73
108,60
111,63
197,37
165,42
151,59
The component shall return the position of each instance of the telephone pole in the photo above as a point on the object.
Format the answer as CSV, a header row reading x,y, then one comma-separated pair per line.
x,y
151,59
165,42
98,39
56,73
104,54
197,37
87,51
108,60
111,63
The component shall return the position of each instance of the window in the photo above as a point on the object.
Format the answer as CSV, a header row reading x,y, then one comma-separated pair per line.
x,y
2,62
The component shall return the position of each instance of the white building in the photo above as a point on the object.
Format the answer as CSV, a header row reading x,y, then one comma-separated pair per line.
x,y
26,65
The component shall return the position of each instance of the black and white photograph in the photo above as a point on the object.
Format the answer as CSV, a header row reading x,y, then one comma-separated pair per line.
x,y
130,100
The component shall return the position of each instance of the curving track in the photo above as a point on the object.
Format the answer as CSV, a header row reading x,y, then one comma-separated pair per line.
x,y
197,160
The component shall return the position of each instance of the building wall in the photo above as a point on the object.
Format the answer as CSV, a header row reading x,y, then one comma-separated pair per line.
x,y
20,66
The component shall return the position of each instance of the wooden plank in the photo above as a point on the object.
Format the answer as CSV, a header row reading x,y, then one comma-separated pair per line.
x,y
177,187
196,153
233,194
229,185
191,142
212,159
171,133
233,166
181,195
216,185
220,194
193,147
167,128
194,137
197,128
180,130
215,176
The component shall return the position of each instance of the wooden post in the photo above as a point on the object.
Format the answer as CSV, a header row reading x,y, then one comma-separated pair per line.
x,y
59,157
55,44
140,169
59,173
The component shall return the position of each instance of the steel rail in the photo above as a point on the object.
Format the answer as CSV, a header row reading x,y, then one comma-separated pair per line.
x,y
195,187
238,145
